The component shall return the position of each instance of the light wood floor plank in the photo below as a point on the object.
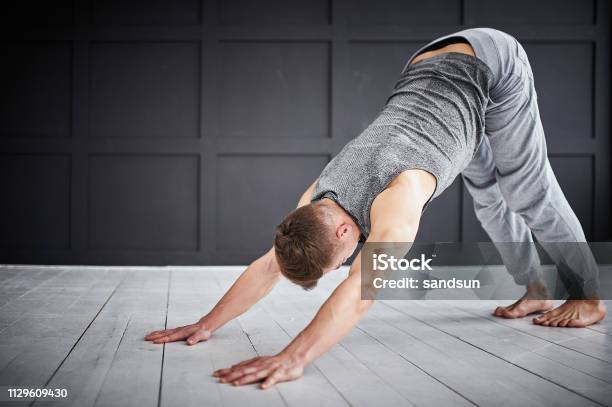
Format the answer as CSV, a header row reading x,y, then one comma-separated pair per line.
x,y
38,342
100,358
134,376
480,377
586,341
451,321
529,343
268,338
188,370
415,386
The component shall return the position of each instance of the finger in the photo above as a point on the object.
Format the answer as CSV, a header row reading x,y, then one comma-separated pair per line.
x,y
200,335
165,332
177,336
246,362
256,361
227,370
274,378
159,334
152,333
238,373
251,378
222,372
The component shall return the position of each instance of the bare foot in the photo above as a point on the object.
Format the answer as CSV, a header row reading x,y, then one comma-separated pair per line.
x,y
534,300
523,307
574,314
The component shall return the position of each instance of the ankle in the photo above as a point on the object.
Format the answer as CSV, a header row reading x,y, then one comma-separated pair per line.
x,y
537,290
591,301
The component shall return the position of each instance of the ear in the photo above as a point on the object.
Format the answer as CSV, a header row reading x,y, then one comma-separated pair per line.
x,y
342,230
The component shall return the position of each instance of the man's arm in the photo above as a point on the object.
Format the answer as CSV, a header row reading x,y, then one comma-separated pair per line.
x,y
254,283
336,317
395,217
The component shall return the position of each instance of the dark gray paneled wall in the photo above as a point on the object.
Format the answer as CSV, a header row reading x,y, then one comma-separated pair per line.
x,y
181,131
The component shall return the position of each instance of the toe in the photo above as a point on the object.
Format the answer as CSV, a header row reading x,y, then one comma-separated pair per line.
x,y
546,318
504,313
545,322
511,312
576,323
514,314
563,323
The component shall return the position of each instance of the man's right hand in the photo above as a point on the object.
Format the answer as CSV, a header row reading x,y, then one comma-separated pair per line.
x,y
192,334
252,285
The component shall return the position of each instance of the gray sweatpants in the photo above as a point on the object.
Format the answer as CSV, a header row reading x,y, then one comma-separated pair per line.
x,y
514,189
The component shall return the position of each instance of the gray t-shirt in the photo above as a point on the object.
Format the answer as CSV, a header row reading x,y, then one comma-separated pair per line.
x,y
434,120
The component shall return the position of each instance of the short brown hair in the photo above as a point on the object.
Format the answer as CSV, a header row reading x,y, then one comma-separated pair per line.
x,y
304,245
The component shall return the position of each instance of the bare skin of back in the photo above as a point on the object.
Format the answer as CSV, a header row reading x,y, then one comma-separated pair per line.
x,y
459,47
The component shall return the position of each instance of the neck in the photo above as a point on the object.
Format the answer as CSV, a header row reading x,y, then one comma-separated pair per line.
x,y
339,211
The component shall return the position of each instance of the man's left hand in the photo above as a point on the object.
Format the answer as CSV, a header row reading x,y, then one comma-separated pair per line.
x,y
269,369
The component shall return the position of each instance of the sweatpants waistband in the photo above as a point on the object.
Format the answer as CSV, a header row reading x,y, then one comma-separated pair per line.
x,y
495,48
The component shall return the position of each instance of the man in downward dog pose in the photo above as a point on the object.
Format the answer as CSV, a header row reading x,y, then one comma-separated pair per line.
x,y
464,104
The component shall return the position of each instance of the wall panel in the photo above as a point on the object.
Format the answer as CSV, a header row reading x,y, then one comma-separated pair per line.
x,y
40,13
36,83
145,12
250,12
139,202
550,12
274,89
35,204
404,12
144,89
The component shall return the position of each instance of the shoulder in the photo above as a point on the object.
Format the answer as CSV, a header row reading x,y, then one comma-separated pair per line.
x,y
403,199
416,184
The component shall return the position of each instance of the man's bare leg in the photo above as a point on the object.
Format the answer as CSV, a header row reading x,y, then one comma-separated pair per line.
x,y
536,299
574,314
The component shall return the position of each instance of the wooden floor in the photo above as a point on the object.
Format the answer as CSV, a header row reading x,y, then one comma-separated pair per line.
x,y
81,328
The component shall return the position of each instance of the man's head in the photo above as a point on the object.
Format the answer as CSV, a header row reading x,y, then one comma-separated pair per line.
x,y
313,240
